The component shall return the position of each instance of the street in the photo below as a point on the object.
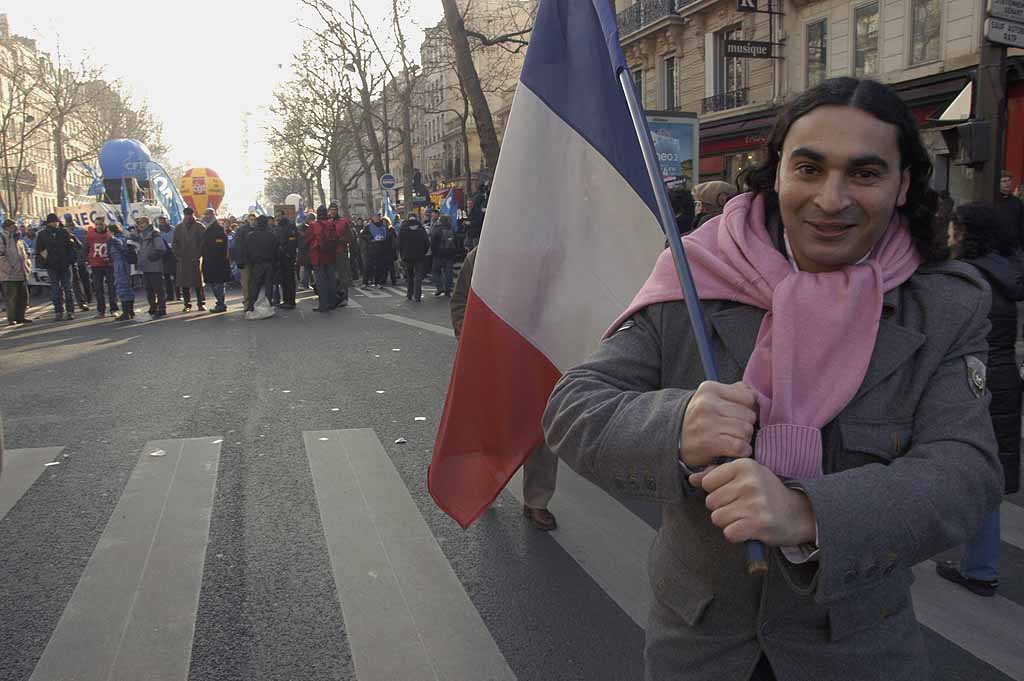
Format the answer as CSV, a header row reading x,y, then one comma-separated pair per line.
x,y
201,497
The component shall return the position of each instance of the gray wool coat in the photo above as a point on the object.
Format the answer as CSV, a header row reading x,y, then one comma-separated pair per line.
x,y
911,470
187,244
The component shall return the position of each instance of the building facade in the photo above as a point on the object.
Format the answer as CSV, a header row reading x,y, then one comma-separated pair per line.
x,y
682,56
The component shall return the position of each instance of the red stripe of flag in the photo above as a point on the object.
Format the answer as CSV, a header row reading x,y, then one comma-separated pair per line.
x,y
492,414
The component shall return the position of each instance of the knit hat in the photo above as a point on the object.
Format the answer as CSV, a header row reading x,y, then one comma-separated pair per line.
x,y
321,213
52,217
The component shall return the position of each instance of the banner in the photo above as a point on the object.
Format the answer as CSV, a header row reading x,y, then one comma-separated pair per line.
x,y
84,214
166,192
675,137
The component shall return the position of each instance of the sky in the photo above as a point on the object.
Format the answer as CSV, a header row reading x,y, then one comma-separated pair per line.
x,y
205,68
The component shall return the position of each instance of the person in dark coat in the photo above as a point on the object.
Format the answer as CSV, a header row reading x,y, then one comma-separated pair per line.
x,y
379,237
57,251
978,236
413,244
259,252
1010,209
443,247
187,246
288,244
216,263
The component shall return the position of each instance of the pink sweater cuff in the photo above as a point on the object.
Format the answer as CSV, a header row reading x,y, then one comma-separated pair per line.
x,y
791,451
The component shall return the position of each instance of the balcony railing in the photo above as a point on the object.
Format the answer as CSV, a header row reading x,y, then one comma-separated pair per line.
x,y
646,12
725,101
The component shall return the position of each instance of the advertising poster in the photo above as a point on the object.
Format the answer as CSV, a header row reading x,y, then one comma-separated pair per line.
x,y
676,140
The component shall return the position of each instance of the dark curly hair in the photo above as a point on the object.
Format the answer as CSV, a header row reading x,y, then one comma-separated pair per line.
x,y
983,232
883,103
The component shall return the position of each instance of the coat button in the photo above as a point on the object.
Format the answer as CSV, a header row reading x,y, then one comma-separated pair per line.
x,y
650,484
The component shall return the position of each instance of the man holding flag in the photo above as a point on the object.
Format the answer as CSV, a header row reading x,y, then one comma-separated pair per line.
x,y
851,412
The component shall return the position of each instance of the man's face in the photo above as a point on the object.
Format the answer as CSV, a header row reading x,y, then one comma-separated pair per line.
x,y
1006,185
141,223
839,183
101,224
332,212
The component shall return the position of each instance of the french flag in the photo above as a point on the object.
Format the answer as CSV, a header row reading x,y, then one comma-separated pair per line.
x,y
569,237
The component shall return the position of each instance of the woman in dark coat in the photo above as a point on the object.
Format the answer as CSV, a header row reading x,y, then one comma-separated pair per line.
x,y
216,262
977,236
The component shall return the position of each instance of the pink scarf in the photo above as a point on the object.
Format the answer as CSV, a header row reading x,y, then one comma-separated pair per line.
x,y
815,342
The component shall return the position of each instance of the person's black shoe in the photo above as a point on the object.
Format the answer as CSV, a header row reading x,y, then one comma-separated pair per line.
x,y
947,569
11,322
26,321
83,307
438,293
201,307
69,316
187,307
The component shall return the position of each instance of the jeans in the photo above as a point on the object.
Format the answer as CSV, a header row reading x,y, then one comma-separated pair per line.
x,y
155,293
981,554
414,270
445,278
81,283
325,285
218,293
304,279
60,283
172,291
187,296
103,283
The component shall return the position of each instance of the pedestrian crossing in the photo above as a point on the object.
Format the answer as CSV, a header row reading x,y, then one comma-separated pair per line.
x,y
408,614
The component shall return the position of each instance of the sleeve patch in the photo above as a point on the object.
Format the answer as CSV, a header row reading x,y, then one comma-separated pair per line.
x,y
976,377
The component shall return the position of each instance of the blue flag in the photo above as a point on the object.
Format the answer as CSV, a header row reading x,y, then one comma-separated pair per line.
x,y
449,208
166,192
389,210
125,205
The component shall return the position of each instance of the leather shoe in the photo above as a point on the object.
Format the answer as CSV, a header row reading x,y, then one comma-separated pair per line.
x,y
947,569
541,518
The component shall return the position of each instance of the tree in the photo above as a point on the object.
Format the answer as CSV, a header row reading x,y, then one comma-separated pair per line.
x,y
25,119
67,87
113,115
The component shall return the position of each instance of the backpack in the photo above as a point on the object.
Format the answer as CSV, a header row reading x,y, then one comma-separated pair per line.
x,y
131,255
168,254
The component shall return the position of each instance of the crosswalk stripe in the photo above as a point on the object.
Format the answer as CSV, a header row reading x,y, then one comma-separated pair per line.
x,y
988,628
608,540
407,616
132,615
1011,520
426,326
22,467
374,293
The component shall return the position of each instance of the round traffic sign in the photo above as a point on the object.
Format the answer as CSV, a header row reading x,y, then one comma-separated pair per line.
x,y
387,181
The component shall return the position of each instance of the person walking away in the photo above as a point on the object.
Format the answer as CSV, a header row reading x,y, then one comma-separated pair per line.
x,y
365,237
80,279
123,254
171,266
216,263
187,246
413,244
540,471
978,236
152,253
390,269
288,246
15,268
238,256
343,273
444,247
302,257
97,243
354,256
1010,209
323,254
260,253
56,251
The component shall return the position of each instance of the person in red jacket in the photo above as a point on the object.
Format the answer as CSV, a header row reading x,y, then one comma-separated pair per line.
x,y
323,255
102,266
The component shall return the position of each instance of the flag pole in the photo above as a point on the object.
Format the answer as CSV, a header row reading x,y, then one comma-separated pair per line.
x,y
756,561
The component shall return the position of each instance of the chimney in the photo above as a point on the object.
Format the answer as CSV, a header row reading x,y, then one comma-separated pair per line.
x,y
5,27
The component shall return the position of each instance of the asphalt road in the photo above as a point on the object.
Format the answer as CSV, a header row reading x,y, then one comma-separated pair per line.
x,y
238,552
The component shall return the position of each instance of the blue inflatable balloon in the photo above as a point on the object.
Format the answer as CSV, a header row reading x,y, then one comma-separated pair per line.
x,y
124,158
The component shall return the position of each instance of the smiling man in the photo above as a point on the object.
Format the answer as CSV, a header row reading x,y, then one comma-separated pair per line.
x,y
850,417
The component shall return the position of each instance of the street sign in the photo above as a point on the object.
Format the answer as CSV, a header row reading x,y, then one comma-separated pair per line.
x,y
1007,9
1004,32
750,49
387,182
746,5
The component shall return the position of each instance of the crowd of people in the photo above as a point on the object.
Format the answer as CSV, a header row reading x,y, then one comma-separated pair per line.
x,y
269,258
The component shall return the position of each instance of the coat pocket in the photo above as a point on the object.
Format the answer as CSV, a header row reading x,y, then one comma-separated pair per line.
x,y
870,608
865,443
676,587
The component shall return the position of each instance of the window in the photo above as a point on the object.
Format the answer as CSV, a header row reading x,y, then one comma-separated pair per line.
x,y
730,75
638,80
670,83
817,52
865,40
926,21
